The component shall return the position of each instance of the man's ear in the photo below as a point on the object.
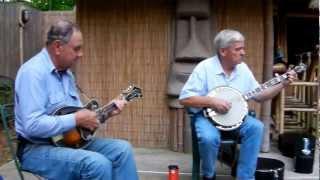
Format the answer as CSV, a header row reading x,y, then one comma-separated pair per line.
x,y
222,52
57,47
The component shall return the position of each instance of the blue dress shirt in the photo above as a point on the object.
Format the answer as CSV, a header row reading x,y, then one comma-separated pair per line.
x,y
40,90
209,74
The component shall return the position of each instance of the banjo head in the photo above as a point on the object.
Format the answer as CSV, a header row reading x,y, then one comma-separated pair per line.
x,y
238,110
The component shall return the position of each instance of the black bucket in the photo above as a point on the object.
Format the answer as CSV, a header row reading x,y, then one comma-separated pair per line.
x,y
269,169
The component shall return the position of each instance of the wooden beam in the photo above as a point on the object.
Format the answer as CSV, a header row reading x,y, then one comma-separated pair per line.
x,y
303,15
267,71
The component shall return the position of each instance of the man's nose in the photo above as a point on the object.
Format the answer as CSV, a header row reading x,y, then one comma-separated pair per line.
x,y
80,54
243,52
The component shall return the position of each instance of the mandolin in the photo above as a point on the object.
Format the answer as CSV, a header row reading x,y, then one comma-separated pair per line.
x,y
79,136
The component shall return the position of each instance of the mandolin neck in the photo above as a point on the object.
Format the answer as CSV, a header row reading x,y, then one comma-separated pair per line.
x,y
128,95
104,112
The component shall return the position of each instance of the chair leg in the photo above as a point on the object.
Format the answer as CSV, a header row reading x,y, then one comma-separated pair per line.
x,y
17,164
4,117
195,154
196,167
235,161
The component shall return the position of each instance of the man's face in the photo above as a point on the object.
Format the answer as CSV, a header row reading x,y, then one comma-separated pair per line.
x,y
233,54
70,52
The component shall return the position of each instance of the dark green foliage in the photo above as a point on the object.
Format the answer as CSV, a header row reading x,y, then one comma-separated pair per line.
x,y
6,90
48,5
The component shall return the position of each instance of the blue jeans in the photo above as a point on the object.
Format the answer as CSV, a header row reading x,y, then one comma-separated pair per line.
x,y
250,131
103,159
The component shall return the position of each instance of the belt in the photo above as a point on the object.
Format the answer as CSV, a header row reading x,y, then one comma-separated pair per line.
x,y
23,140
22,143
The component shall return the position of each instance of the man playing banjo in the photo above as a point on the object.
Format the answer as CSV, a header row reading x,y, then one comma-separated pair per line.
x,y
226,69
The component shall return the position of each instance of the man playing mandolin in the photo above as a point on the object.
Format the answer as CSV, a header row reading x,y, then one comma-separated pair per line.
x,y
226,69
43,84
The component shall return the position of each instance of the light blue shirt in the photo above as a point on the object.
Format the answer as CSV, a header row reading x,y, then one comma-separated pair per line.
x,y
209,74
40,90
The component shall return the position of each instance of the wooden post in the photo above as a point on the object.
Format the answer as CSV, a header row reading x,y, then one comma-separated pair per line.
x,y
267,71
318,114
21,28
176,129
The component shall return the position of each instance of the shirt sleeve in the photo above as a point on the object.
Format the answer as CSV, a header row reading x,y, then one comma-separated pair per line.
x,y
31,99
194,86
252,82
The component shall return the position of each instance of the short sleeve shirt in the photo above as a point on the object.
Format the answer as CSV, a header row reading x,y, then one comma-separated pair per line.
x,y
209,74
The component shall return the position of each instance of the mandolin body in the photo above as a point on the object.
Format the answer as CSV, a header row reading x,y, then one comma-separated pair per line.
x,y
75,138
80,137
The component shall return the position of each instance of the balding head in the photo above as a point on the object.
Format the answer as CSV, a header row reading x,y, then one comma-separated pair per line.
x,y
61,30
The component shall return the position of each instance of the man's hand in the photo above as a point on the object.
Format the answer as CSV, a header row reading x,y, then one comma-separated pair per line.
x,y
220,106
120,104
292,76
87,119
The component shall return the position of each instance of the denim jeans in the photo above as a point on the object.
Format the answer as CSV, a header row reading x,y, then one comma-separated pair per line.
x,y
250,131
103,159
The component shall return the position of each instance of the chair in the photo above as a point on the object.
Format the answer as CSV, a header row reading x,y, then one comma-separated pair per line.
x,y
7,120
228,152
6,89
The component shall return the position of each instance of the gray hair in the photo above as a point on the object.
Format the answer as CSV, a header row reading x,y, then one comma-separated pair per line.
x,y
62,30
227,37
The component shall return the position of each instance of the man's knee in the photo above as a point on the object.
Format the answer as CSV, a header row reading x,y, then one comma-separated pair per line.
x,y
124,147
209,139
257,126
95,166
124,153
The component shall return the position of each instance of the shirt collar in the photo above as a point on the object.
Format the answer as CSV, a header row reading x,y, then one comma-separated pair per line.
x,y
220,70
50,64
218,65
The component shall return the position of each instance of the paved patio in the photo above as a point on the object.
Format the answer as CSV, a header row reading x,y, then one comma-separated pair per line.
x,y
152,165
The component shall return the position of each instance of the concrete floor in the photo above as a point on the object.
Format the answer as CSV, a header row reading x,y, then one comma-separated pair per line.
x,y
153,165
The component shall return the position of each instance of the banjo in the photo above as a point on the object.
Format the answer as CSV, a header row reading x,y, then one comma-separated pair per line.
x,y
239,109
79,137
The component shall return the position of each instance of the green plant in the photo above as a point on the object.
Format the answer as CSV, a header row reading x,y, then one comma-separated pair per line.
x,y
49,5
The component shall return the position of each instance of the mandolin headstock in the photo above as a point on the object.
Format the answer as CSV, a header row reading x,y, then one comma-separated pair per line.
x,y
131,93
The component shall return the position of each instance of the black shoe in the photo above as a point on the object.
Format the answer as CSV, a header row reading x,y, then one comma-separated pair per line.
x,y
212,178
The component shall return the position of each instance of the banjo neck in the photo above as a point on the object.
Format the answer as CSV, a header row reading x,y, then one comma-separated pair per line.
x,y
265,86
276,80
